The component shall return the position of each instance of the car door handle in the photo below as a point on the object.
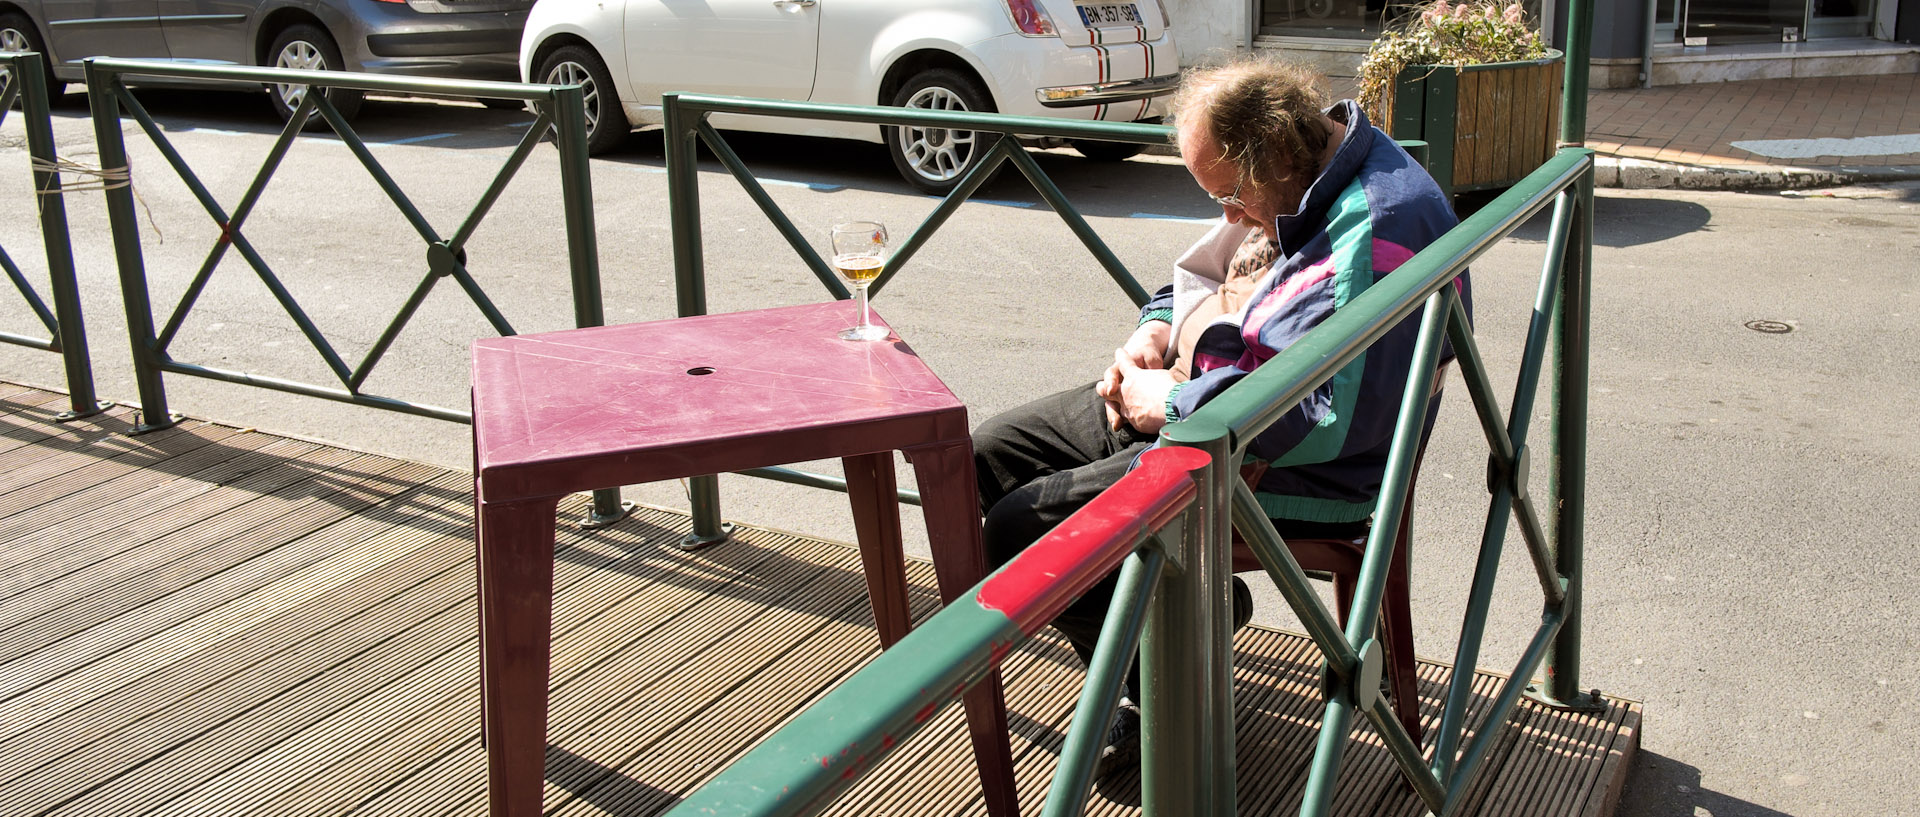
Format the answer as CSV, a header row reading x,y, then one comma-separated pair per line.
x,y
793,5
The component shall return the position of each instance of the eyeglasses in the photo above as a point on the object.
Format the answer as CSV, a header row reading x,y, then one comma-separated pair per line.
x,y
1231,199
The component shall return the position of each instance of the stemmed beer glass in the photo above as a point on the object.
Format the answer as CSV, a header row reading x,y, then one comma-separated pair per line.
x,y
859,253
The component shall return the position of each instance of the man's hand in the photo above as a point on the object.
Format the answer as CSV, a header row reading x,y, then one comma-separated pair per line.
x,y
1139,399
1146,349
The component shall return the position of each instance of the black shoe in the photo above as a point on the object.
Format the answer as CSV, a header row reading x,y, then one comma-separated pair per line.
x,y
1122,752
1242,604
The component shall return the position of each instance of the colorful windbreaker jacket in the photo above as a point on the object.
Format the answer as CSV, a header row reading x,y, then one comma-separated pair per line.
x,y
1368,212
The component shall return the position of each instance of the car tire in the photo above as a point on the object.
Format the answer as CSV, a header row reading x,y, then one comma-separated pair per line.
x,y
310,47
1107,151
17,33
934,159
607,126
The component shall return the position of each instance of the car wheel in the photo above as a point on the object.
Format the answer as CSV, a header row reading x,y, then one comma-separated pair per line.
x,y
18,34
308,47
1106,151
934,159
607,125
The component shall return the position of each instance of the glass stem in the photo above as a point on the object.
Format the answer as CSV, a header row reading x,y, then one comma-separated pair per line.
x,y
866,314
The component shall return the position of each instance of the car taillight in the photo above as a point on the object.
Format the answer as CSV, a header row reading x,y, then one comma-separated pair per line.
x,y
1031,19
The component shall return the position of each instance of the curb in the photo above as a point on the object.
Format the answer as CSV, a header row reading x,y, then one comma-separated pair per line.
x,y
1622,173
1641,174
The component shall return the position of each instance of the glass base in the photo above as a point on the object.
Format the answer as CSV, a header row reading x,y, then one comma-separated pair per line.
x,y
869,332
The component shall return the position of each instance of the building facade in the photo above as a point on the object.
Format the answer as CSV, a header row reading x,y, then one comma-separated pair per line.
x,y
1635,42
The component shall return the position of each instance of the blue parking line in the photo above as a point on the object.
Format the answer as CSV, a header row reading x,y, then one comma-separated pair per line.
x,y
323,139
995,202
817,186
1182,219
412,139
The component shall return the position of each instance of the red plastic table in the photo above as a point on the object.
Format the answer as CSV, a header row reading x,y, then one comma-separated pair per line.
x,y
577,410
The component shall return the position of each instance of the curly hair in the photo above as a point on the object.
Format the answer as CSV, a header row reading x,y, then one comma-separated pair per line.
x,y
1265,114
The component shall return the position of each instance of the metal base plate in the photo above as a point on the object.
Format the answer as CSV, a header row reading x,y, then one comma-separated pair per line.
x,y
694,541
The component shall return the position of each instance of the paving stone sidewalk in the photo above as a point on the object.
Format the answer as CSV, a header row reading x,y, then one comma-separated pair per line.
x,y
1758,134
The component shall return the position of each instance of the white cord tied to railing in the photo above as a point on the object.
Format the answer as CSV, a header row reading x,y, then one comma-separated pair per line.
x,y
93,178
97,178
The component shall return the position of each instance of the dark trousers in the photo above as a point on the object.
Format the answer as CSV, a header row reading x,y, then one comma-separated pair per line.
x,y
1039,463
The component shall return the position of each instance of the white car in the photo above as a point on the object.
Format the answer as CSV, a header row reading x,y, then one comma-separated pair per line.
x,y
1073,59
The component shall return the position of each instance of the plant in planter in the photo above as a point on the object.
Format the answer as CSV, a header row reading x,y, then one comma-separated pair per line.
x,y
1474,80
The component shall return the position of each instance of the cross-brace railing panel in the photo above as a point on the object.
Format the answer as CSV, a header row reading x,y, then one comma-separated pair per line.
x,y
687,126
1232,420
1143,527
559,111
23,81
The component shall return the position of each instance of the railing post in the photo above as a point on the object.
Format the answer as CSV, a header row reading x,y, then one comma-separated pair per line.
x,y
1567,483
1187,739
1573,100
690,287
583,251
31,78
103,97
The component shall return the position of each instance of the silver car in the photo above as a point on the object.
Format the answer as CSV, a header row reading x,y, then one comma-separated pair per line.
x,y
462,39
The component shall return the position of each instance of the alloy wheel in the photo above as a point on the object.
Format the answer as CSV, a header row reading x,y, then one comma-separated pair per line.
x,y
303,55
12,39
573,73
938,154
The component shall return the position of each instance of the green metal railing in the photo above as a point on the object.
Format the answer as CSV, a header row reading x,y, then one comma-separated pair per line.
x,y
26,84
686,127
558,109
1143,525
1188,752
1224,426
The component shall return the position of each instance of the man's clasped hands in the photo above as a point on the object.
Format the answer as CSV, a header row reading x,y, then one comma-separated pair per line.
x,y
1136,385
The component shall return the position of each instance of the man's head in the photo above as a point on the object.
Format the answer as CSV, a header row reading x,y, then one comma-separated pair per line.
x,y
1253,135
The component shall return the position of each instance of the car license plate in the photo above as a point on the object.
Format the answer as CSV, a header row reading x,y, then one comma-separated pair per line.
x,y
1105,15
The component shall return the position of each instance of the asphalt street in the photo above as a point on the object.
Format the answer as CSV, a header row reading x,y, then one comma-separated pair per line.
x,y
1751,512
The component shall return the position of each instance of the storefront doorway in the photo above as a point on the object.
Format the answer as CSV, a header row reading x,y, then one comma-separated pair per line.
x,y
1721,22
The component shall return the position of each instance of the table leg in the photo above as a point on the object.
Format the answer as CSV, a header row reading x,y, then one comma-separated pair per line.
x,y
876,522
950,499
516,608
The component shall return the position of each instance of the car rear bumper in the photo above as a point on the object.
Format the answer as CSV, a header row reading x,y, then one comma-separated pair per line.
x,y
1103,93
1122,82
392,38
458,43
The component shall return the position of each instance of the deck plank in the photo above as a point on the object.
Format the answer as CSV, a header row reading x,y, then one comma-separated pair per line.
x,y
215,620
229,535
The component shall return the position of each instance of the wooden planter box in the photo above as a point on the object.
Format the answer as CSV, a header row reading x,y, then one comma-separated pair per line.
x,y
1486,126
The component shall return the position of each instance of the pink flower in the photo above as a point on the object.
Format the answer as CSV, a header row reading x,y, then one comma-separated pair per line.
x,y
1514,14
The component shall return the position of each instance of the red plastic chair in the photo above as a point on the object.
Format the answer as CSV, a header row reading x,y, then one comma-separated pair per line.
x,y
1341,559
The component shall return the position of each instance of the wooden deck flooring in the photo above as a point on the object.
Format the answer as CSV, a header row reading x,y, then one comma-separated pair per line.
x,y
211,620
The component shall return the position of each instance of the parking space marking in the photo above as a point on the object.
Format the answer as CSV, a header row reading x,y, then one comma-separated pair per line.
x,y
1182,219
995,202
412,139
818,186
332,140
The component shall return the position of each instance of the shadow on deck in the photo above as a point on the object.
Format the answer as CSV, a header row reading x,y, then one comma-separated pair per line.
x,y
216,620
